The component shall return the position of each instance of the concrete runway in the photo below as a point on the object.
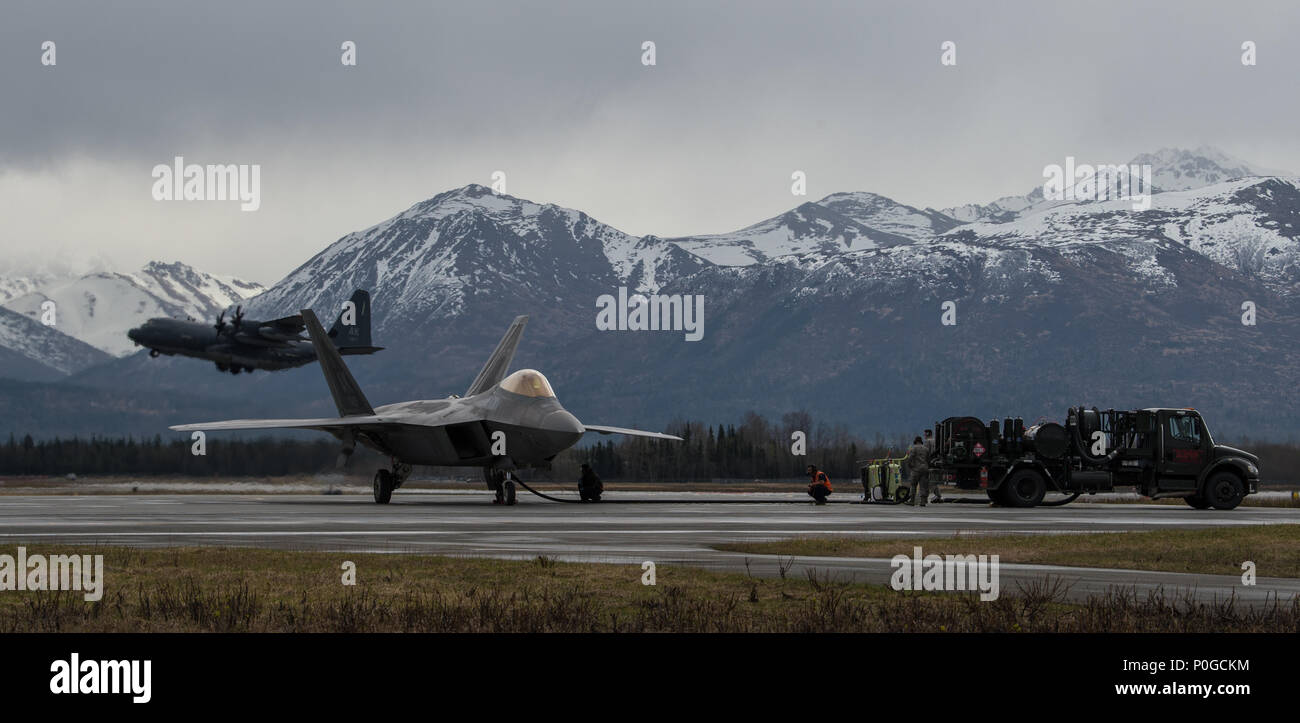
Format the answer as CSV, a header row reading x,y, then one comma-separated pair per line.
x,y
663,529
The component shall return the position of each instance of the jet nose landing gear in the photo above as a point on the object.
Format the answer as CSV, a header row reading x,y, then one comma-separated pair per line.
x,y
509,489
503,484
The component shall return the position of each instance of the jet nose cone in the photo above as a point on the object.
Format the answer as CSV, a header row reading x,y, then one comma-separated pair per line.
x,y
562,421
133,334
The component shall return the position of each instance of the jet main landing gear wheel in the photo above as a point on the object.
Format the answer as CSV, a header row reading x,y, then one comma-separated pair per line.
x,y
510,491
383,488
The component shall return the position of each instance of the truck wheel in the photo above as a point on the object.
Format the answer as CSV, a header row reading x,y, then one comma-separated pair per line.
x,y
1224,491
1025,489
1198,502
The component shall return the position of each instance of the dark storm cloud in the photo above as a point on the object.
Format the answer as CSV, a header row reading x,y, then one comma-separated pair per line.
x,y
138,75
743,93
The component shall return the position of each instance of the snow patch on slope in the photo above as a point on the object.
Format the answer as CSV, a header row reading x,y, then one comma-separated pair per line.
x,y
99,308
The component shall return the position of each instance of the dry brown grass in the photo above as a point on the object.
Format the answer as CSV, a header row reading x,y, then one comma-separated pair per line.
x,y
249,590
1220,550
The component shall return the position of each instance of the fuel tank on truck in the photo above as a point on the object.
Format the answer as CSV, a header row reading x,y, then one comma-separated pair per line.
x,y
963,439
1047,440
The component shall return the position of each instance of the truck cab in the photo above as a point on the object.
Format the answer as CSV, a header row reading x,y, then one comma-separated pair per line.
x,y
1189,464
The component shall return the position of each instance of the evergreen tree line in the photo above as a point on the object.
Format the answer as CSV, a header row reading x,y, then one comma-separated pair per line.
x,y
267,456
755,449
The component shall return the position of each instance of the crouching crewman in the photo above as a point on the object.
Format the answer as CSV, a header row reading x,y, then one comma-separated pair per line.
x,y
819,485
589,485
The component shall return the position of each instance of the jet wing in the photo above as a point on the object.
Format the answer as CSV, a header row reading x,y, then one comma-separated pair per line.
x,y
322,423
630,432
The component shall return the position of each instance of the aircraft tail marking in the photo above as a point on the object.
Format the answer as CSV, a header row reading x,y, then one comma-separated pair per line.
x,y
357,333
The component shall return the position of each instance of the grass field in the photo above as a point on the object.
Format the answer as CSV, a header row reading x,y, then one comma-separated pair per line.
x,y
1275,549
250,590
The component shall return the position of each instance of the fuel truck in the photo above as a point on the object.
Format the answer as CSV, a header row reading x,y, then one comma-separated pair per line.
x,y
1161,452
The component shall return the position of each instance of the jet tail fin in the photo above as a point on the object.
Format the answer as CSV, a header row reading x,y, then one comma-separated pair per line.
x,y
351,331
347,394
497,364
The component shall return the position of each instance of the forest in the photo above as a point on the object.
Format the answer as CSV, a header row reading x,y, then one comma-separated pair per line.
x,y
755,449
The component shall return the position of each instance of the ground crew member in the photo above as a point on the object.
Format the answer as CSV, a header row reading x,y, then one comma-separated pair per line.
x,y
819,485
929,454
918,472
589,485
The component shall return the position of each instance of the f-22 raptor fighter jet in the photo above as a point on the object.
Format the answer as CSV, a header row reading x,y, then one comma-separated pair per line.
x,y
501,424
242,344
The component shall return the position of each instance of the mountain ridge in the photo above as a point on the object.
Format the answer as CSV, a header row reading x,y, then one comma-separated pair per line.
x,y
833,306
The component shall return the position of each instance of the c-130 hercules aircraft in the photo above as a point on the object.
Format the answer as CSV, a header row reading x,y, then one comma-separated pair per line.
x,y
244,345
502,423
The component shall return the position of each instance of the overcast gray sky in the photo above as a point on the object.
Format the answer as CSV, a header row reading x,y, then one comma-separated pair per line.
x,y
554,94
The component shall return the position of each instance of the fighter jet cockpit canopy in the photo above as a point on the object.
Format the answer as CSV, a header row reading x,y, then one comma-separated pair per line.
x,y
529,383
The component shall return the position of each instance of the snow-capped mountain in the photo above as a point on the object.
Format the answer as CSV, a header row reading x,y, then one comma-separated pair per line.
x,y
839,223
14,286
888,215
470,247
1249,225
30,350
1172,169
98,308
1176,169
1003,209
834,306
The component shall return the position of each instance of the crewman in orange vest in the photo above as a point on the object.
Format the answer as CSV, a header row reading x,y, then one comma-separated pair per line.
x,y
819,485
